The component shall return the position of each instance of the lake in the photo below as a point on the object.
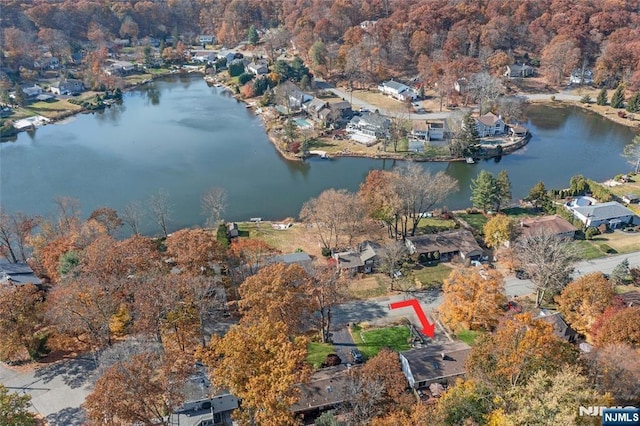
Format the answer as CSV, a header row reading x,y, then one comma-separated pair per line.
x,y
182,137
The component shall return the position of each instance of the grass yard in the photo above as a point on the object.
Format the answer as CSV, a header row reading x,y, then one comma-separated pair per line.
x,y
476,220
379,100
520,212
284,240
588,250
622,242
432,276
468,336
372,341
317,353
429,224
368,287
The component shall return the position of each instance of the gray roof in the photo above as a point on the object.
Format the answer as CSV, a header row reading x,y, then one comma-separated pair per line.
x,y
395,85
447,242
327,388
290,258
560,326
17,273
604,211
428,363
372,119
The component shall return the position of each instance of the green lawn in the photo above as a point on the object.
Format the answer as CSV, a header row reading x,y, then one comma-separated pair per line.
x,y
468,336
476,220
429,224
372,341
432,276
317,353
587,250
519,212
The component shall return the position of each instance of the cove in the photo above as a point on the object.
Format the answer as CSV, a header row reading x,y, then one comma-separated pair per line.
x,y
182,137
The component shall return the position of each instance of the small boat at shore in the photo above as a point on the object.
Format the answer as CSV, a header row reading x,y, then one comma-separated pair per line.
x,y
470,160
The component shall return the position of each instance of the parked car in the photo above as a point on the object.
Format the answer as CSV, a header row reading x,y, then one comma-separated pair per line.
x,y
356,356
522,275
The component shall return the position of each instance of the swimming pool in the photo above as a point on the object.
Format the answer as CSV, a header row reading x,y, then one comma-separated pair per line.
x,y
302,123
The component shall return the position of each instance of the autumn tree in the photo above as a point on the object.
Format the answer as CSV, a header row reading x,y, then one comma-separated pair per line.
x,y
519,347
584,299
622,327
160,209
467,402
14,408
214,202
632,153
247,256
142,389
336,216
499,230
552,398
419,191
416,415
559,58
195,251
548,260
616,369
276,362
472,301
15,230
21,322
278,293
108,218
382,201
132,215
377,388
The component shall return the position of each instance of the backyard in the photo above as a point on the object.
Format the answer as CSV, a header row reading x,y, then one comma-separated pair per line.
x,y
431,276
317,353
370,342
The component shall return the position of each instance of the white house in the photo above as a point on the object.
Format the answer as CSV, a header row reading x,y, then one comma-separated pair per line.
x,y
32,91
368,127
206,39
420,130
258,67
612,214
581,77
437,130
399,91
67,86
518,71
206,56
490,124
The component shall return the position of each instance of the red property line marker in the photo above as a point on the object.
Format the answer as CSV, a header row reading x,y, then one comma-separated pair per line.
x,y
427,328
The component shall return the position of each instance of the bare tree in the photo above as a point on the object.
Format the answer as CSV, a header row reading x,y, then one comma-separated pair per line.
x,y
15,228
214,202
132,215
327,292
548,260
160,210
420,191
513,108
399,128
391,257
485,89
67,213
274,39
616,369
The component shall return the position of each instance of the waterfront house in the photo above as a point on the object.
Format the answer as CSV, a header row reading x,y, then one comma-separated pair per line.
x,y
555,224
120,68
397,90
290,96
443,246
227,55
490,124
17,273
67,86
560,326
518,71
368,127
205,56
517,131
434,363
580,76
258,67
420,130
32,91
437,130
612,214
301,259
363,259
630,198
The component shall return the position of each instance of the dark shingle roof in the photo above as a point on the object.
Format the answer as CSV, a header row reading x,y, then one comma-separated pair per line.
x,y
604,211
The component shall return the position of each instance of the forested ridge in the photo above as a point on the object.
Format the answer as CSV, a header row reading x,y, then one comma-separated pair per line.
x,y
374,39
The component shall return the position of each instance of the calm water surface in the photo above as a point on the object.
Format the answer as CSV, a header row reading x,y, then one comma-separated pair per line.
x,y
183,137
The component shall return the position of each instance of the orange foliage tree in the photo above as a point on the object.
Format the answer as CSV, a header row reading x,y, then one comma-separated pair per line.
x,y
621,327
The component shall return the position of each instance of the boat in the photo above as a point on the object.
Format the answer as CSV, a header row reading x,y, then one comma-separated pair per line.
x,y
470,160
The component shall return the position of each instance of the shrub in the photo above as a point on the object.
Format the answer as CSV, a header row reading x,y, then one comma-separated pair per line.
x,y
591,232
221,235
326,252
586,99
332,360
245,78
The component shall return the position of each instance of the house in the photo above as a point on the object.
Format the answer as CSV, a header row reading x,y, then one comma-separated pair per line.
x,y
227,55
612,214
420,130
579,76
443,246
490,124
397,90
17,273
368,25
434,363
205,56
364,259
289,96
368,127
67,86
206,39
299,258
519,71
461,86
630,198
232,230
216,410
336,114
553,223
327,389
50,62
517,131
120,68
258,67
437,130
560,327
32,91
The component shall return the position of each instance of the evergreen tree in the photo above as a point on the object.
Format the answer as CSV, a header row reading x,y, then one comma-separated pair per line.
x,y
539,197
621,273
4,96
483,191
467,138
503,195
617,100
19,97
252,35
633,104
602,97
